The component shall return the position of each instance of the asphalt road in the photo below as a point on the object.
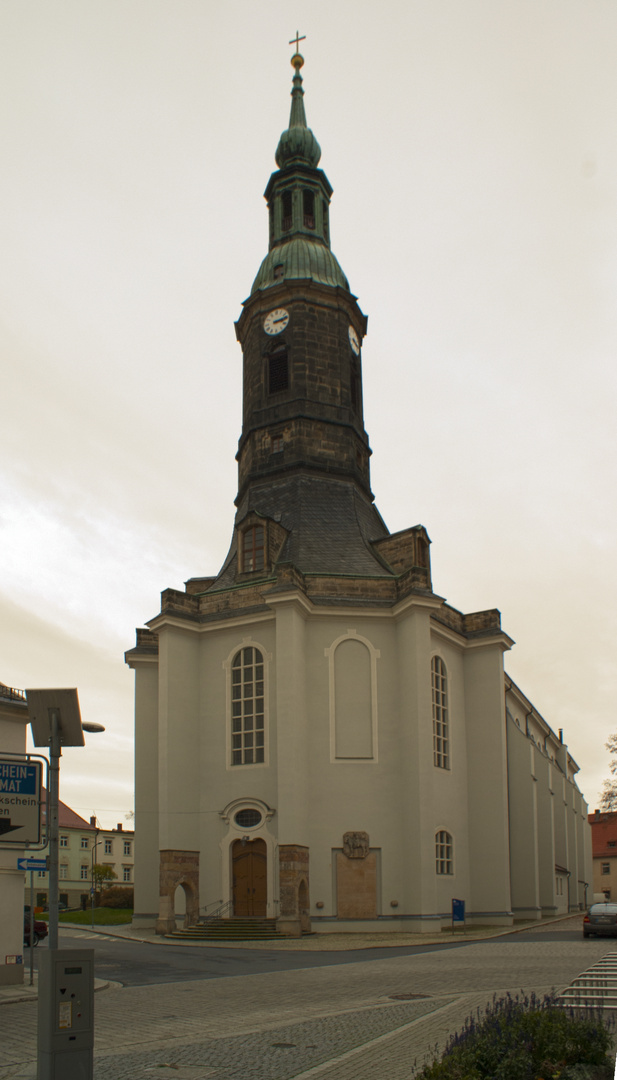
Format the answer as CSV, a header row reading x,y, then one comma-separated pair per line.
x,y
135,963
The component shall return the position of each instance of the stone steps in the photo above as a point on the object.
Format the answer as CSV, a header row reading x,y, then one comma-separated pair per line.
x,y
235,928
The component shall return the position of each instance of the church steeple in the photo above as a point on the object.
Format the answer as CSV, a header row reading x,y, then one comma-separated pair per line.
x,y
303,455
298,198
297,143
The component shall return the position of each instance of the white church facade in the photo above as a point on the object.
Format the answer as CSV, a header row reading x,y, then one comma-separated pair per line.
x,y
320,738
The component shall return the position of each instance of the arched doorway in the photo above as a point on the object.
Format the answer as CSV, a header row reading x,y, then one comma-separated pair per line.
x,y
249,868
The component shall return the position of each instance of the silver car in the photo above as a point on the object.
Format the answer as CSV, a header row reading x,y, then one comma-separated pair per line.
x,y
600,919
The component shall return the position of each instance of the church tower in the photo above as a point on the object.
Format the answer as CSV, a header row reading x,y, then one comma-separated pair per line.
x,y
320,739
303,456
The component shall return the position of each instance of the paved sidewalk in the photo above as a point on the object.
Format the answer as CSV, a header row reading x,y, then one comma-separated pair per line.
x,y
373,1019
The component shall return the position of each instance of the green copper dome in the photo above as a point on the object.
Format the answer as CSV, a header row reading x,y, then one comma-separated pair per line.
x,y
297,144
299,258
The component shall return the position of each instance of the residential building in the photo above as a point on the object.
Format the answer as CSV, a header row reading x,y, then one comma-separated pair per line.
x,y
81,845
604,845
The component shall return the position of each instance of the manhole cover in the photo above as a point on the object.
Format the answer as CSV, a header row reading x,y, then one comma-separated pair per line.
x,y
406,997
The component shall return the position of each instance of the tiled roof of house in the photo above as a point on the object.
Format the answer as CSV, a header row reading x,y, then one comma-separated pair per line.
x,y
603,834
67,818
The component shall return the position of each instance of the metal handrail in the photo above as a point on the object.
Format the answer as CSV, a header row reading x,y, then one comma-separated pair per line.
x,y
218,912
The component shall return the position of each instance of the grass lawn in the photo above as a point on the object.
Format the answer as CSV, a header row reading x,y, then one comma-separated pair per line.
x,y
102,916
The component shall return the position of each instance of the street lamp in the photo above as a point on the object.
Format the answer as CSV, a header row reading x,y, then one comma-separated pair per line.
x,y
64,975
56,722
95,844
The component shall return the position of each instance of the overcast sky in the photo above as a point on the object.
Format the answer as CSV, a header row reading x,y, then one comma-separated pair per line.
x,y
472,147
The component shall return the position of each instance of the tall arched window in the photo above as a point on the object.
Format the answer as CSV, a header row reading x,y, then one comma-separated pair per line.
x,y
443,852
247,707
441,741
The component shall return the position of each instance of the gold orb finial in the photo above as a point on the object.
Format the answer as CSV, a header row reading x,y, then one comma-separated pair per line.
x,y
297,61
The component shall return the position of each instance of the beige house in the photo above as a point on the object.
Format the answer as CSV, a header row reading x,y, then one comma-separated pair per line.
x,y
320,738
81,845
604,840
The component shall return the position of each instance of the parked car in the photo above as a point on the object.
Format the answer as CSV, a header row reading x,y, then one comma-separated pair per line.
x,y
40,930
600,919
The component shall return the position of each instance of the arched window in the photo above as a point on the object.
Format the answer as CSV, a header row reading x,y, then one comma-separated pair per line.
x,y
308,205
443,852
287,210
247,707
278,370
253,549
441,741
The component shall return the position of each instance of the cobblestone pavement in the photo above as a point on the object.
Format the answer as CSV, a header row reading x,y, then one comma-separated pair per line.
x,y
335,1023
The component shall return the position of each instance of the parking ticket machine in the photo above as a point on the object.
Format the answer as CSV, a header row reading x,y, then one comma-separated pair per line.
x,y
66,1014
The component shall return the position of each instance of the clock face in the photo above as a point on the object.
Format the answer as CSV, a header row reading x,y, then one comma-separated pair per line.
x,y
276,321
353,340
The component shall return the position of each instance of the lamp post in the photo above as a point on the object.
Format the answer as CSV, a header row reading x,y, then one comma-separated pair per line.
x,y
92,853
56,722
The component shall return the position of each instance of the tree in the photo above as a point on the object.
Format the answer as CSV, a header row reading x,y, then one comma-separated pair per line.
x,y
101,877
608,798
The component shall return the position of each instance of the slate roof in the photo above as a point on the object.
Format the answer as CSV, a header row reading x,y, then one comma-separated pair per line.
x,y
330,525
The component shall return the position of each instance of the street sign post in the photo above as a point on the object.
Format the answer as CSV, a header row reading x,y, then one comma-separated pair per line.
x,y
32,864
20,801
458,913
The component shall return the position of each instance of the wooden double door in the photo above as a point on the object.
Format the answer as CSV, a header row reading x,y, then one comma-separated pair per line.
x,y
250,865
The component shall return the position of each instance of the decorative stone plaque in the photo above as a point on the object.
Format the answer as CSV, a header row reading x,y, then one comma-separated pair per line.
x,y
355,845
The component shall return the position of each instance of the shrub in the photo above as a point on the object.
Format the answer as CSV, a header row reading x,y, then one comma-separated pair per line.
x,y
118,896
524,1038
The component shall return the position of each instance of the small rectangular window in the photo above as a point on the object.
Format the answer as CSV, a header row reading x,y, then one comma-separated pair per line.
x,y
64,873
127,847
606,868
126,873
64,841
84,872
108,849
276,444
85,843
253,549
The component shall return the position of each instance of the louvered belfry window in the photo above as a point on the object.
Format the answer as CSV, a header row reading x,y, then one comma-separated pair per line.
x,y
247,707
278,371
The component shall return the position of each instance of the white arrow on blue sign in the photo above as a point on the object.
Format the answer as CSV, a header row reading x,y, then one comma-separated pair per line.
x,y
32,864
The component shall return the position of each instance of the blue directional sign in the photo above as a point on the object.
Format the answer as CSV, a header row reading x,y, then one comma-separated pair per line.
x,y
20,801
32,864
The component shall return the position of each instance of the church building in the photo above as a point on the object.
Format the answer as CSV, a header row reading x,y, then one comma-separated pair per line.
x,y
320,738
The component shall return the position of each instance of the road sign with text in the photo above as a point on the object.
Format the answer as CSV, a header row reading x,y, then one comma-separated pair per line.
x,y
20,801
